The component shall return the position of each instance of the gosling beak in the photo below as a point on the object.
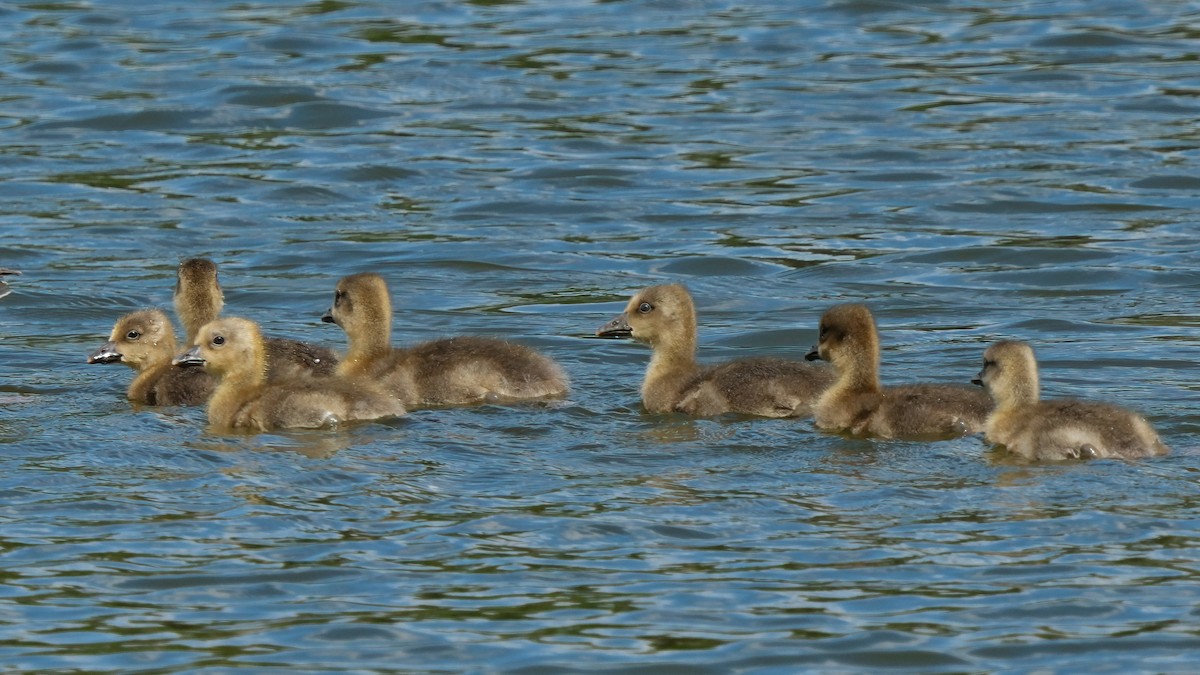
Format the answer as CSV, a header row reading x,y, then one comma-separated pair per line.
x,y
978,379
107,353
327,317
189,359
813,355
617,328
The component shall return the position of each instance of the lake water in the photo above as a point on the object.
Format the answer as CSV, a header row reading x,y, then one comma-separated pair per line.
x,y
972,170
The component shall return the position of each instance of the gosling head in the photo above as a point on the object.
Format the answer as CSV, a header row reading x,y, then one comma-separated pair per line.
x,y
360,301
847,337
1010,374
658,315
226,345
138,340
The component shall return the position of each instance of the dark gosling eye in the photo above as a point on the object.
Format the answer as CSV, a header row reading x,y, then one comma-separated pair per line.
x,y
338,296
218,340
645,308
133,335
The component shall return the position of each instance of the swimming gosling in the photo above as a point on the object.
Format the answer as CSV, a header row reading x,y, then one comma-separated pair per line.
x,y
1057,429
664,317
199,300
232,350
461,370
858,403
145,341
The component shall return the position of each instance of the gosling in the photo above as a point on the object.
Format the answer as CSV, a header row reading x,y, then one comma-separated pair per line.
x,y
664,317
199,300
462,370
145,341
1059,429
859,404
233,351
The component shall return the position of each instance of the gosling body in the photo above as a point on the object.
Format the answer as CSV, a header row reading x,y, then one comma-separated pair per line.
x,y
462,370
1057,429
858,403
664,317
233,351
199,300
145,341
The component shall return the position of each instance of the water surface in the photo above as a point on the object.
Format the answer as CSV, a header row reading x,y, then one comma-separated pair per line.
x,y
972,170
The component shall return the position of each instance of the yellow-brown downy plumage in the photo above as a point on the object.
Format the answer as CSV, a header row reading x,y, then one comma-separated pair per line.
x,y
452,371
145,341
1055,429
859,404
664,317
199,300
233,351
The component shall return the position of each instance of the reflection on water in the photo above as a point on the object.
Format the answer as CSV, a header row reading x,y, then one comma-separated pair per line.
x,y
972,171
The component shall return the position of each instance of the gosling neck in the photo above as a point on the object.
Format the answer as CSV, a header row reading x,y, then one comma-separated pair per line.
x,y
672,364
368,342
236,388
151,367
1022,391
195,310
858,368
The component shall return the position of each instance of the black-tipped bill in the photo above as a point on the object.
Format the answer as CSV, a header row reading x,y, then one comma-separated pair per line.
x,y
107,353
978,381
814,355
327,317
617,328
189,359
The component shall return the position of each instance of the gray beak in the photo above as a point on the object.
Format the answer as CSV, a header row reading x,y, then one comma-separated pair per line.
x,y
189,359
107,353
617,328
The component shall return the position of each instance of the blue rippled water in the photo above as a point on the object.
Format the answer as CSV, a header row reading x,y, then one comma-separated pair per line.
x,y
972,170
